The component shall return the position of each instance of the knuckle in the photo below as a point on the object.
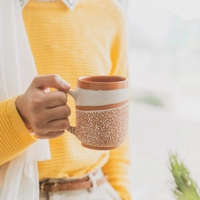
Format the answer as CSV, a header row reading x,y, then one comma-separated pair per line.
x,y
36,78
60,133
64,124
36,100
55,78
68,111
62,98
36,103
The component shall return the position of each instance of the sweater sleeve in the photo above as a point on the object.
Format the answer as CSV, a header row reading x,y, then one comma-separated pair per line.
x,y
117,167
14,137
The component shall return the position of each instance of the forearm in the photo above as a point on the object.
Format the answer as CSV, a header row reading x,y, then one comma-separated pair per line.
x,y
14,137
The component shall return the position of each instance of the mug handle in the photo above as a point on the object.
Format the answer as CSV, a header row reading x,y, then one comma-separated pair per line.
x,y
72,129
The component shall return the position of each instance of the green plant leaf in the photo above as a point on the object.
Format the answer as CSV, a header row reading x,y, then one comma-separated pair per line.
x,y
185,187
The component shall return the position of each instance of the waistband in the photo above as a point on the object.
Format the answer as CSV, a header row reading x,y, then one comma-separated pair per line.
x,y
89,181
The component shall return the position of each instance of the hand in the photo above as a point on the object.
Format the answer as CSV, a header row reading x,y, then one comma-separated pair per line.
x,y
45,112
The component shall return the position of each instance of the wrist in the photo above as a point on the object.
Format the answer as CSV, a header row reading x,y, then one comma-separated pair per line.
x,y
24,119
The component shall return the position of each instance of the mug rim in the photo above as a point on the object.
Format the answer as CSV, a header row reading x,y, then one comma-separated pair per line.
x,y
112,79
102,82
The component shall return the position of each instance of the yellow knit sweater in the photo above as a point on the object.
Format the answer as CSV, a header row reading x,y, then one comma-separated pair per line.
x,y
90,40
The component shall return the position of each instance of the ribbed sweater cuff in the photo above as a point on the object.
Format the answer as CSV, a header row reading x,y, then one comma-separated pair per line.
x,y
14,137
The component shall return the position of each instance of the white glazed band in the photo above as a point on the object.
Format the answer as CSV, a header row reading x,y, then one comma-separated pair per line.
x,y
85,97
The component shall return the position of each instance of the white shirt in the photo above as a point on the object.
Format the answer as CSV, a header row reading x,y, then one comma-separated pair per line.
x,y
69,3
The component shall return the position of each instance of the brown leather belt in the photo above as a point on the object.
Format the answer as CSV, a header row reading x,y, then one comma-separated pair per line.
x,y
78,184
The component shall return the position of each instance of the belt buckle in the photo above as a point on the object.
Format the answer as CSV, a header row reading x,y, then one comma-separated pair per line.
x,y
42,186
54,187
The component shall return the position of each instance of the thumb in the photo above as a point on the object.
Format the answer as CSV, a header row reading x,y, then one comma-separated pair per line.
x,y
50,81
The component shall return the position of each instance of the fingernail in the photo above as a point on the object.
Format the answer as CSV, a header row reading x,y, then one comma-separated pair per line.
x,y
65,84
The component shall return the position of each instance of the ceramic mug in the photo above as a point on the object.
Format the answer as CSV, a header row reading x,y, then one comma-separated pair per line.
x,y
101,111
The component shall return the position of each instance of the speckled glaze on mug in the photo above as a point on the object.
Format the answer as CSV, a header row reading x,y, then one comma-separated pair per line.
x,y
102,110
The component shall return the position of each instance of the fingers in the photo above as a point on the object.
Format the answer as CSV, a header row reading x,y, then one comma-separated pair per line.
x,y
56,126
45,112
55,98
56,113
50,81
51,135
52,119
53,129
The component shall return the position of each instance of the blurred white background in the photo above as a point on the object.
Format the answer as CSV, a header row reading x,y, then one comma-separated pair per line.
x,y
164,73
